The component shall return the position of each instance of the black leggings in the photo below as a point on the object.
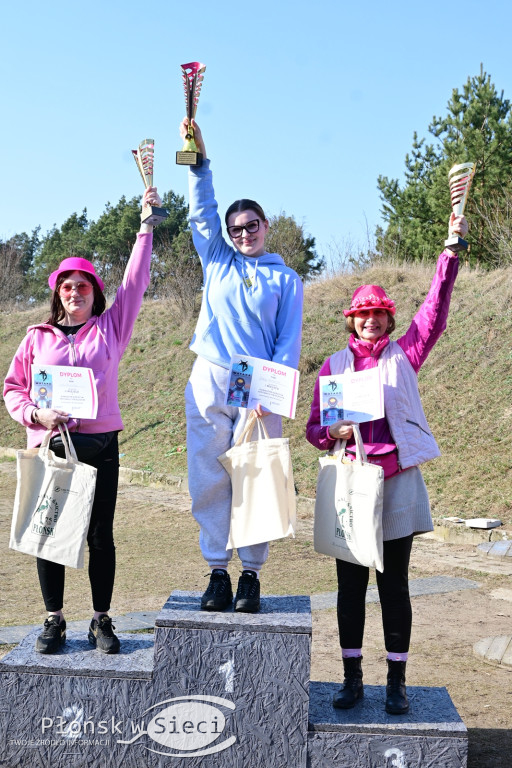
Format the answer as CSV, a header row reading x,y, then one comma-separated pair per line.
x,y
393,585
100,538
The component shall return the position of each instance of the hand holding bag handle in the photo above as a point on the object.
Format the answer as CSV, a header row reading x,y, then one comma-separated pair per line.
x,y
69,448
245,437
339,449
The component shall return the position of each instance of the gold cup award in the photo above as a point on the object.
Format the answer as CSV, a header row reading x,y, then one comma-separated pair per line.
x,y
143,156
459,178
193,75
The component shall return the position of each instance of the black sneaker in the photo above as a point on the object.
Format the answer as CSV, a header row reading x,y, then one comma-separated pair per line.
x,y
219,594
52,636
101,635
247,598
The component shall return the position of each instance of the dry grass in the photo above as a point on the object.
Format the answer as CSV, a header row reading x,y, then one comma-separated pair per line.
x,y
466,384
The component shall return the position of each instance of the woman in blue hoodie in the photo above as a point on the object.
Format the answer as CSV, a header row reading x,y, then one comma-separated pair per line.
x,y
252,306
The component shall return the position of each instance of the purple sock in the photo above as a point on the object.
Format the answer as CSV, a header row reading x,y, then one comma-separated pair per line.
x,y
350,653
392,656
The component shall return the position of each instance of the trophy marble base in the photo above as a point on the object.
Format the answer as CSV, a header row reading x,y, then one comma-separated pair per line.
x,y
195,159
153,215
456,244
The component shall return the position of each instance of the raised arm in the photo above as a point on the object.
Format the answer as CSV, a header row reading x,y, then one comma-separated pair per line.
x,y
430,320
204,218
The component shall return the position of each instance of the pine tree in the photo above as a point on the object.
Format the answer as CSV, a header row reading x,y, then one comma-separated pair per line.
x,y
476,128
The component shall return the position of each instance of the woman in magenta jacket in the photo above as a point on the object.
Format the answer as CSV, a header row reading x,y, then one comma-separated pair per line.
x,y
399,442
81,332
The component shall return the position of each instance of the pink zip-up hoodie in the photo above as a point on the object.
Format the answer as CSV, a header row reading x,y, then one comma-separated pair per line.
x,y
99,344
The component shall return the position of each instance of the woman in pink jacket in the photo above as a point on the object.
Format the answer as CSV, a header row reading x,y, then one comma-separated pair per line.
x,y
399,442
81,332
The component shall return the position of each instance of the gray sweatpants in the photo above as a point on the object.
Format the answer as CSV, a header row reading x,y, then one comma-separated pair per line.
x,y
212,428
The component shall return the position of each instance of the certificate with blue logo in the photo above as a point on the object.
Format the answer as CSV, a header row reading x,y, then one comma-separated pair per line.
x,y
253,381
354,396
65,388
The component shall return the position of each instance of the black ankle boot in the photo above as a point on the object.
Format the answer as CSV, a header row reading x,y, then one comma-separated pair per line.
x,y
396,693
352,689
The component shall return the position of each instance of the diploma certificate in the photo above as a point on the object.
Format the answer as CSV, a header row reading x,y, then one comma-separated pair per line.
x,y
65,388
353,396
252,381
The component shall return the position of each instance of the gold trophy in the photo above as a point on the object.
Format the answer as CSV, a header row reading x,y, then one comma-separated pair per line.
x,y
193,75
143,156
460,178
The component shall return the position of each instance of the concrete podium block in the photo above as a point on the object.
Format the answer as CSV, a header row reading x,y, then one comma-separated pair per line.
x,y
210,689
432,733
259,662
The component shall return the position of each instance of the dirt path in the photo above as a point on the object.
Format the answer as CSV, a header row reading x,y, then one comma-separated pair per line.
x,y
445,626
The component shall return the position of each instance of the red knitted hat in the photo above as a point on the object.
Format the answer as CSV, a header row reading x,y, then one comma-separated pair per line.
x,y
370,297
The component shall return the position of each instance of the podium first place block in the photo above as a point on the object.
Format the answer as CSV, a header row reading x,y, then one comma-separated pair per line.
x,y
209,689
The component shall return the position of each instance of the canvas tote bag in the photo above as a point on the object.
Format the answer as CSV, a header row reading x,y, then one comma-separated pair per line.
x,y
348,507
263,491
53,503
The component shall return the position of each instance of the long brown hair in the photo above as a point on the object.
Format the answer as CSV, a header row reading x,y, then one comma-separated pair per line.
x,y
57,310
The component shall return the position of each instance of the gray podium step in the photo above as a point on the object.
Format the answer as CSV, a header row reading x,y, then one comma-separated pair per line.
x,y
208,689
431,735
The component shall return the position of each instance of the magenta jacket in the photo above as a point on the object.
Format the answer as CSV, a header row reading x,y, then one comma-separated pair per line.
x,y
424,331
99,344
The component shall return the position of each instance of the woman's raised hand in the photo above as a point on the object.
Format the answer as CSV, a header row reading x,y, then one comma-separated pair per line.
x,y
198,136
151,197
457,225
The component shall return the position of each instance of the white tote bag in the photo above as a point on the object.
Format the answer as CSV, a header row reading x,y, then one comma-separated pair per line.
x,y
348,507
263,492
53,503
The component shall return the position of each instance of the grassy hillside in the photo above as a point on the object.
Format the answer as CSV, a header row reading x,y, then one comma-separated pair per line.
x,y
466,384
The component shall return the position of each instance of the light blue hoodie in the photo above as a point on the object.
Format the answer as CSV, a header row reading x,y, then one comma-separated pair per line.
x,y
260,317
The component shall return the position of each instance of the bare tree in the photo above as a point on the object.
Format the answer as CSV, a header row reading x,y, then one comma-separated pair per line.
x,y
176,272
11,273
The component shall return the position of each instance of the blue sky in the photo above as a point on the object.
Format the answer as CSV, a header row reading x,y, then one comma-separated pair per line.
x,y
303,104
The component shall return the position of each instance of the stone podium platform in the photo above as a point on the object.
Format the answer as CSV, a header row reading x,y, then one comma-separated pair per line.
x,y
431,735
209,689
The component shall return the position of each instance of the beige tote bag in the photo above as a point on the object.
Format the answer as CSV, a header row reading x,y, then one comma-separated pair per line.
x,y
53,503
263,492
348,507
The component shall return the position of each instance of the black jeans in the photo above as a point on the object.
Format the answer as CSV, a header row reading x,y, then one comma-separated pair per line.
x,y
100,538
393,586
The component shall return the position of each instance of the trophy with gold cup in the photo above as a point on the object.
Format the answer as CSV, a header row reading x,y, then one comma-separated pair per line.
x,y
460,178
193,75
143,156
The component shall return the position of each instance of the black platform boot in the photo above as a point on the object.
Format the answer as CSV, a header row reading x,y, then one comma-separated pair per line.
x,y
352,689
396,693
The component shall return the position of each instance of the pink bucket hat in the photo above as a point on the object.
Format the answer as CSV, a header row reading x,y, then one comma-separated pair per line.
x,y
370,297
74,264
